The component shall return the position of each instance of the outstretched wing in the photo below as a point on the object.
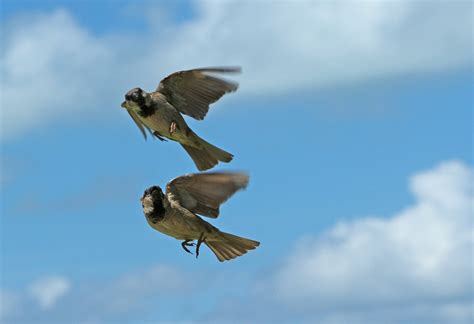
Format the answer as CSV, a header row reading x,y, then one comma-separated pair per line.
x,y
203,193
191,92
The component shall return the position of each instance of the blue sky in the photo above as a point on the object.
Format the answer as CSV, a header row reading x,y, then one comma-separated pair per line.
x,y
354,121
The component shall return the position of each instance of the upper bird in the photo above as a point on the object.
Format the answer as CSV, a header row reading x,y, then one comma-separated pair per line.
x,y
174,213
185,92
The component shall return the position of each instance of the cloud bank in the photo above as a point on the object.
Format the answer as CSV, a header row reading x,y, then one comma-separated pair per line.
x,y
53,69
419,259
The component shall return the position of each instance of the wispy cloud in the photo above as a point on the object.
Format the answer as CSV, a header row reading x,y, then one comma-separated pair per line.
x,y
63,70
34,301
9,305
56,299
100,191
47,291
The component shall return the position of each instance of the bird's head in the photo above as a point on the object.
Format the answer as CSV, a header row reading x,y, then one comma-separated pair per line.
x,y
153,202
136,99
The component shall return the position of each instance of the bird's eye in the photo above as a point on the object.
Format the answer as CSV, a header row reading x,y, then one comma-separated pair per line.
x,y
134,95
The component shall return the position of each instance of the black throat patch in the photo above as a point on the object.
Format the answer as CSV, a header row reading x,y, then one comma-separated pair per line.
x,y
157,196
158,210
146,110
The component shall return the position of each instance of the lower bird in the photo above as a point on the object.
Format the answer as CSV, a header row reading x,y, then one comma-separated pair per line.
x,y
185,92
174,213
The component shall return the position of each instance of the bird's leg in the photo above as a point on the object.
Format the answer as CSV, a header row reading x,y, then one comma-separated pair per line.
x,y
198,245
173,127
186,243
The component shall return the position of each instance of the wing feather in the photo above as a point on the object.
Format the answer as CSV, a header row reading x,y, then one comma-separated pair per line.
x,y
203,193
192,91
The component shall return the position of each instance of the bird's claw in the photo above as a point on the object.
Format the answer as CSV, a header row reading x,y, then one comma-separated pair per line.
x,y
186,243
198,245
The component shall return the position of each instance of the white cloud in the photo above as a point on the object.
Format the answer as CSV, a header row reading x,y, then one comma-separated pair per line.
x,y
291,45
53,299
52,68
8,304
130,290
47,291
414,265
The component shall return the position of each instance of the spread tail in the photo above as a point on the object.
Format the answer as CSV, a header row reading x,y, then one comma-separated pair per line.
x,y
207,155
228,246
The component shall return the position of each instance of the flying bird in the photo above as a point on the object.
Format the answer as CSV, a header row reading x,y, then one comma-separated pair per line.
x,y
174,213
185,92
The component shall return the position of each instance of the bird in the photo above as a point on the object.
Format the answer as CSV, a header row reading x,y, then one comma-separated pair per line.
x,y
175,213
187,92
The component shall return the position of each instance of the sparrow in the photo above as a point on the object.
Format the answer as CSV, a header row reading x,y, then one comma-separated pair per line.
x,y
185,92
175,213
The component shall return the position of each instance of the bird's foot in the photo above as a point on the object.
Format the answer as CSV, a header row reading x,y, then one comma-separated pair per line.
x,y
198,245
186,243
173,127
158,136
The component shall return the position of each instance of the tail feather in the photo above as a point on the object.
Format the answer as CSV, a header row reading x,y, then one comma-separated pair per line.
x,y
216,152
201,158
208,155
229,246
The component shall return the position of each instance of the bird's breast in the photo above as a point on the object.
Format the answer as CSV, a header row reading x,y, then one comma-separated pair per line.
x,y
178,224
161,121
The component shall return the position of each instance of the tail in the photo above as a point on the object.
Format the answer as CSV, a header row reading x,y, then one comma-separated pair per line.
x,y
228,246
207,155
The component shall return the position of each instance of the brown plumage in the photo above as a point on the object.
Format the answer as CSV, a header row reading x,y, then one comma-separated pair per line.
x,y
185,92
175,213
191,92
203,193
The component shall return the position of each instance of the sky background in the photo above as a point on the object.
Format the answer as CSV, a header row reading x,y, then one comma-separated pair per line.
x,y
353,119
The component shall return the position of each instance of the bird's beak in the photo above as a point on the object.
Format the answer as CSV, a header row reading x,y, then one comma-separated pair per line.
x,y
124,104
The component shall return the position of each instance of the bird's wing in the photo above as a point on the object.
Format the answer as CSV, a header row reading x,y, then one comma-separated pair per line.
x,y
140,125
203,193
191,92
